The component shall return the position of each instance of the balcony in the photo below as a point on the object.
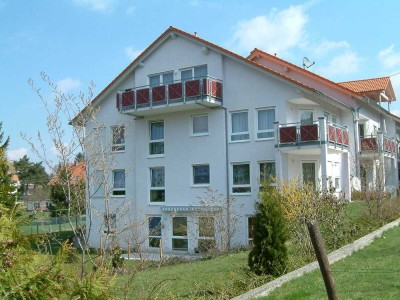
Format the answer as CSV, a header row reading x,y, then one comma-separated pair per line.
x,y
298,135
172,97
372,144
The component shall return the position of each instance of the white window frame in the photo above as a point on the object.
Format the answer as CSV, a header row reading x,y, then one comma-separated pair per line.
x,y
192,125
152,236
308,110
118,147
239,186
121,191
261,177
192,69
193,175
337,184
156,188
238,133
161,78
156,140
260,131
180,237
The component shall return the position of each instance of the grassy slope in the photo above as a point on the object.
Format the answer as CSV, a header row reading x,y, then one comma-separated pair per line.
x,y
371,273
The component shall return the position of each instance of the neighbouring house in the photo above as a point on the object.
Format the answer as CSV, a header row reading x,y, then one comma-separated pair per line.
x,y
13,177
188,116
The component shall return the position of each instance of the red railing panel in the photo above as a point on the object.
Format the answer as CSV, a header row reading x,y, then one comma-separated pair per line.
x,y
331,133
128,99
192,88
158,93
345,137
288,134
368,144
143,96
206,86
339,136
175,91
216,89
309,132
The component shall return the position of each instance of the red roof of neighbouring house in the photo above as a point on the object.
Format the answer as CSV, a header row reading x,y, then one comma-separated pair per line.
x,y
372,87
77,173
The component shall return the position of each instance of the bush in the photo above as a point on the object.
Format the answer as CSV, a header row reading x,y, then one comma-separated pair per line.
x,y
269,253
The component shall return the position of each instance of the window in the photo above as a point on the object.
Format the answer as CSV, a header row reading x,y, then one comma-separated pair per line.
x,y
157,184
337,184
206,228
110,223
250,230
334,119
265,123
154,232
164,78
241,179
267,170
361,129
306,117
309,173
201,174
240,126
179,233
119,182
195,72
118,142
200,125
156,145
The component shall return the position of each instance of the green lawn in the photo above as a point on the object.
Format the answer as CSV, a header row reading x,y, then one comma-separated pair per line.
x,y
372,273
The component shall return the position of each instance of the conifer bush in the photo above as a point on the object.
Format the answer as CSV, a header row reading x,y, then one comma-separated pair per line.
x,y
269,252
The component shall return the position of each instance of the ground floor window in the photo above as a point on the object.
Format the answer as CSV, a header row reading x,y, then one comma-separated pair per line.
x,y
206,239
154,232
309,173
179,234
250,230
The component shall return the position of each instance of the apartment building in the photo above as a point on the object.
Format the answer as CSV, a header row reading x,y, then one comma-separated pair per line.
x,y
187,119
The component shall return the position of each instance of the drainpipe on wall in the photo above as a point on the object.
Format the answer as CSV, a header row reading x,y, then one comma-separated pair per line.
x,y
356,115
228,204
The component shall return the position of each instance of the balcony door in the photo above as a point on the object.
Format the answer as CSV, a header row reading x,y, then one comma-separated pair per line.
x,y
306,117
309,173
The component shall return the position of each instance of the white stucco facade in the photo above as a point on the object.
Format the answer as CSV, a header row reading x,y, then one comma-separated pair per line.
x,y
236,138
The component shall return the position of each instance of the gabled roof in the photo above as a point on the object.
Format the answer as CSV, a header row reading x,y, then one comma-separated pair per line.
x,y
255,52
168,33
369,86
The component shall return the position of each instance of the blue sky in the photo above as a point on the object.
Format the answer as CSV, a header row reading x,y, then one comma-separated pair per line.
x,y
79,41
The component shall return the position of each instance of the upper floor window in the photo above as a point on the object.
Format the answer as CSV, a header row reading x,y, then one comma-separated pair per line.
x,y
195,72
306,117
201,174
156,145
265,123
118,136
163,78
241,178
200,125
119,182
157,184
240,126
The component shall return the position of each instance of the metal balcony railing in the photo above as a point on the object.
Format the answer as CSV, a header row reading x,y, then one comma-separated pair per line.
x,y
179,91
371,143
297,134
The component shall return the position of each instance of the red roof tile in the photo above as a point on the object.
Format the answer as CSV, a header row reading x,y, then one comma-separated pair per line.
x,y
367,85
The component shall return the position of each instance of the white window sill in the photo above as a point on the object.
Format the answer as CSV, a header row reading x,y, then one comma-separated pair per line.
x,y
266,139
118,196
200,134
200,185
156,156
157,203
119,151
240,141
241,194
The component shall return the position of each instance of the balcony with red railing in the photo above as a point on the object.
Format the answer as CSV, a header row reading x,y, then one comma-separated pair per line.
x,y
175,96
372,144
297,134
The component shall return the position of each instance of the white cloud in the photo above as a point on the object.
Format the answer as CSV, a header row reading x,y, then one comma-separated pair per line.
x,y
131,52
17,154
389,57
96,5
276,32
326,47
131,10
342,64
68,84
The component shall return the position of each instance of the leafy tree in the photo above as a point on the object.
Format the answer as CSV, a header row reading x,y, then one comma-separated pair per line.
x,y
269,253
6,196
30,173
80,157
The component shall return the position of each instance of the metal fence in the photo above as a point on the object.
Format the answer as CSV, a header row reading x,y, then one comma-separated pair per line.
x,y
53,224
